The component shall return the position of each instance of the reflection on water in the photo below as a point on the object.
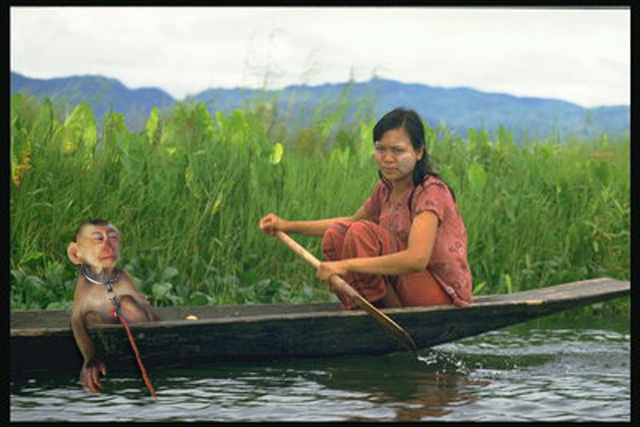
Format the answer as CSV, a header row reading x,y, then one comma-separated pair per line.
x,y
411,391
531,372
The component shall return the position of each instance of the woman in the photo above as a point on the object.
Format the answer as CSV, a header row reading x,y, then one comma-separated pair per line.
x,y
407,244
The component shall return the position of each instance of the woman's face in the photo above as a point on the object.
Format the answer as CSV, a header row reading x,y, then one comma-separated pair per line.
x,y
395,155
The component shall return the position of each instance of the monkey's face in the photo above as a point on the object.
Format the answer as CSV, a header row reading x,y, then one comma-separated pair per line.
x,y
99,246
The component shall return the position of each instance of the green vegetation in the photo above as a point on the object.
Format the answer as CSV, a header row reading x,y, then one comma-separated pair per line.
x,y
188,191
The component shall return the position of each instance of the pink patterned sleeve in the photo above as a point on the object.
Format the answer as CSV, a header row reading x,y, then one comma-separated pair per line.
x,y
435,198
373,204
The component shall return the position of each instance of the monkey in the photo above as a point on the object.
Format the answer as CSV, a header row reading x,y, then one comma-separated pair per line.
x,y
100,287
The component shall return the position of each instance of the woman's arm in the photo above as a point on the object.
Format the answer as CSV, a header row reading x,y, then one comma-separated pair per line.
x,y
271,222
415,258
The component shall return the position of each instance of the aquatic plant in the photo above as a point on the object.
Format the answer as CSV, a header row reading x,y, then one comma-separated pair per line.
x,y
188,190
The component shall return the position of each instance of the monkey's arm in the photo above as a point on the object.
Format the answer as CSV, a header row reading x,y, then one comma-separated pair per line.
x,y
93,366
81,334
151,313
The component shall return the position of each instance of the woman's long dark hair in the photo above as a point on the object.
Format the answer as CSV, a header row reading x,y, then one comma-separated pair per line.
x,y
410,122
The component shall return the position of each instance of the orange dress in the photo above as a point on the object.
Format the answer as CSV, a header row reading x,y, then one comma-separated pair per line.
x,y
447,278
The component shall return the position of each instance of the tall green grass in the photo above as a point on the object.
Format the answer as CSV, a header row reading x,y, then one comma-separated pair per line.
x,y
187,193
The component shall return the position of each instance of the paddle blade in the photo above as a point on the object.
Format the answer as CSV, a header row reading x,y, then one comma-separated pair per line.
x,y
396,330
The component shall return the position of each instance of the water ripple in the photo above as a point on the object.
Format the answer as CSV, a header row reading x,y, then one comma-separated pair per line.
x,y
535,374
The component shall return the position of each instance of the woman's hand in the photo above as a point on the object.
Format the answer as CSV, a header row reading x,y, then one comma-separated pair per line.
x,y
270,223
330,268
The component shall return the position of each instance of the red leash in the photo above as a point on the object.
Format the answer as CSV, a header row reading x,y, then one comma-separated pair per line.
x,y
114,313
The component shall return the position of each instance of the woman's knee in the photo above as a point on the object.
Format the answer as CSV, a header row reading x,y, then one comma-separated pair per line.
x,y
333,231
362,235
332,240
357,230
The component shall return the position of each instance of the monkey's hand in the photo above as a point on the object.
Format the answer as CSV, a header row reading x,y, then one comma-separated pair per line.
x,y
90,373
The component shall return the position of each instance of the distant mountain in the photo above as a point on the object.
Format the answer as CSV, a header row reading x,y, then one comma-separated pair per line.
x,y
101,93
459,108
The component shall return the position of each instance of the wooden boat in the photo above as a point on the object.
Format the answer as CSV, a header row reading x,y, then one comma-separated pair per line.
x,y
42,341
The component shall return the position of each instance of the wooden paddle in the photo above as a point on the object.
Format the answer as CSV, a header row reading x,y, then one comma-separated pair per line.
x,y
395,329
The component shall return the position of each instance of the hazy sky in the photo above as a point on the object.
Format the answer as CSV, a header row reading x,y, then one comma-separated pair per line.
x,y
581,55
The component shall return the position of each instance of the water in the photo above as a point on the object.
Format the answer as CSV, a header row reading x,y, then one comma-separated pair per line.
x,y
545,370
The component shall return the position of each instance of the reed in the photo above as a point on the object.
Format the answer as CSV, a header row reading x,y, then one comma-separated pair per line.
x,y
187,193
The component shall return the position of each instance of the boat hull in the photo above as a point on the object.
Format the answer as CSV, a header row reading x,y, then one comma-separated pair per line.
x,y
42,341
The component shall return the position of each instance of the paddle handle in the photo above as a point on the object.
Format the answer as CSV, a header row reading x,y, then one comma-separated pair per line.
x,y
308,256
295,247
